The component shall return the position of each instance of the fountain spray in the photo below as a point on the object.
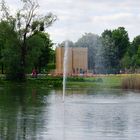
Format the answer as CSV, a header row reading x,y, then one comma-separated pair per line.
x,y
65,68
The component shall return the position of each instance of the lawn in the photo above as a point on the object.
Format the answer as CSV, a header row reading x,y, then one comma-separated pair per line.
x,y
107,81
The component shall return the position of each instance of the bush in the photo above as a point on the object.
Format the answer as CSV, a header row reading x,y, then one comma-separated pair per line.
x,y
75,79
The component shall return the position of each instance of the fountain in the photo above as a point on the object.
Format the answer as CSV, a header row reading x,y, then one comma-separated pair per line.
x,y
65,68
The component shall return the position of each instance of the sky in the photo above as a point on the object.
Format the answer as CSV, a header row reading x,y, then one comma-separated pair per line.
x,y
77,17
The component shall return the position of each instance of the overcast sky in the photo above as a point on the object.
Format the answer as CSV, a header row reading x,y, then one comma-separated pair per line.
x,y
76,17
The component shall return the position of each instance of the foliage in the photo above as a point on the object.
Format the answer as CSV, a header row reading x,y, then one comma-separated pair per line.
x,y
135,45
47,81
39,48
121,40
115,44
125,62
50,66
138,57
134,53
47,53
76,79
9,50
30,42
109,51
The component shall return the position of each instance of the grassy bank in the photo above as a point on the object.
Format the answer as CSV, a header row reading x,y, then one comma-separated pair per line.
x,y
44,81
107,81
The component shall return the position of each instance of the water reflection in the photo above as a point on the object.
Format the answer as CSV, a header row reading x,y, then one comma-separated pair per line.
x,y
38,113
21,112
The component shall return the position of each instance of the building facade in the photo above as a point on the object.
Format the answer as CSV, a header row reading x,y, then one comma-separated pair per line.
x,y
77,60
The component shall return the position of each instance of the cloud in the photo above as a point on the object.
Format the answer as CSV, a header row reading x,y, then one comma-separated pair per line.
x,y
75,17
114,19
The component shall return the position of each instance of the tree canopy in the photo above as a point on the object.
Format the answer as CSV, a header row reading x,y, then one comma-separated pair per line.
x,y
23,38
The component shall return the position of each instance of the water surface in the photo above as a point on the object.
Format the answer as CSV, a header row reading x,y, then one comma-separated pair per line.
x,y
28,113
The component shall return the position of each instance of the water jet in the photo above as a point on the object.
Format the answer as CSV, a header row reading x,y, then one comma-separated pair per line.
x,y
65,68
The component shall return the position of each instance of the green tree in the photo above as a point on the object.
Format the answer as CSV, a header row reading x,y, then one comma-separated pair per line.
x,y
121,41
135,61
39,48
126,61
115,45
31,24
9,48
3,36
26,23
7,34
134,45
134,53
109,52
138,57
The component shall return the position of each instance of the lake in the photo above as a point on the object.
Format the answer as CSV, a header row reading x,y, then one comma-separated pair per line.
x,y
32,113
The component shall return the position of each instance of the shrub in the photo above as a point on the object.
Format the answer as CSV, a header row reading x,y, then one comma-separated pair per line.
x,y
75,79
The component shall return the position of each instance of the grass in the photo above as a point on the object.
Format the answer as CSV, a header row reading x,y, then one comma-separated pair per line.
x,y
125,81
108,81
36,82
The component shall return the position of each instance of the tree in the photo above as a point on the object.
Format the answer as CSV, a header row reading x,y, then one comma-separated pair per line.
x,y
135,45
121,41
39,48
94,45
7,29
138,57
26,23
109,52
133,53
116,44
31,24
9,47
135,59
126,61
3,36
